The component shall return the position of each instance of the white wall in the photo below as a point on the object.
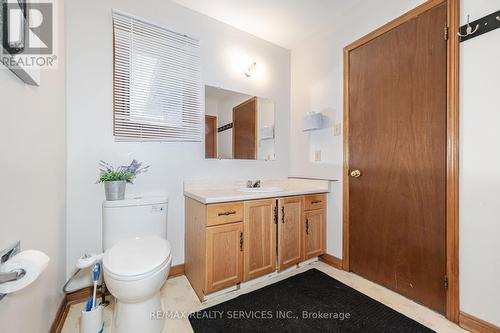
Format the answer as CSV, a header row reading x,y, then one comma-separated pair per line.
x,y
89,119
211,107
317,86
32,199
479,165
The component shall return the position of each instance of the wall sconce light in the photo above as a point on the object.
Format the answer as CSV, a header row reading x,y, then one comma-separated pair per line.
x,y
254,69
251,70
242,64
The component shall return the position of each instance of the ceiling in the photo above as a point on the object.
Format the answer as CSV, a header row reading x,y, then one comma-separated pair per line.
x,y
283,22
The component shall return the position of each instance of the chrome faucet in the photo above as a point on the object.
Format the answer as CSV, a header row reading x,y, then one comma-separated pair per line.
x,y
252,184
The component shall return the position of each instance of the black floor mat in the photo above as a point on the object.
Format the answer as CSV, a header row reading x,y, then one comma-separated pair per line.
x,y
308,302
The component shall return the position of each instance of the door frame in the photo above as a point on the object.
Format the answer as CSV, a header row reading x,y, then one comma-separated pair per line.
x,y
215,135
452,143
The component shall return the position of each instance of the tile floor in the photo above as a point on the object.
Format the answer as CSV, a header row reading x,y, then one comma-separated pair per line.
x,y
177,295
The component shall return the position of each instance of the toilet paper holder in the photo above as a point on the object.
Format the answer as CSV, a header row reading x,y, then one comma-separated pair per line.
x,y
5,255
10,251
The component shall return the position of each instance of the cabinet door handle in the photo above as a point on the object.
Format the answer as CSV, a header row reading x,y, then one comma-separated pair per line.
x,y
241,241
283,214
307,226
232,212
316,201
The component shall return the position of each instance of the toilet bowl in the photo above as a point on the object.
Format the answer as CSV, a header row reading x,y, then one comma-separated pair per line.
x,y
135,269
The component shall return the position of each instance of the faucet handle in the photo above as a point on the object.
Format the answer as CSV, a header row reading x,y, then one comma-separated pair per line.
x,y
257,183
249,183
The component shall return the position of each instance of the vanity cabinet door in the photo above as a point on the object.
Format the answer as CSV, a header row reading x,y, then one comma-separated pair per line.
x,y
260,238
224,260
290,211
314,233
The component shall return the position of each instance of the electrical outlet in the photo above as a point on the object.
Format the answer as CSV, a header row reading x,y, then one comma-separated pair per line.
x,y
317,156
337,129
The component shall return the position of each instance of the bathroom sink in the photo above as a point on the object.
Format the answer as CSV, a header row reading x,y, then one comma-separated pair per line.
x,y
267,189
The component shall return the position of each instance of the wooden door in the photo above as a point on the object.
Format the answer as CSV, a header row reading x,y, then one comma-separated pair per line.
x,y
314,233
245,130
224,256
210,137
290,217
397,158
260,238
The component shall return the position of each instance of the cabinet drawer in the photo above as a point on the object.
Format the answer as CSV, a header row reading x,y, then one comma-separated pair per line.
x,y
314,201
224,213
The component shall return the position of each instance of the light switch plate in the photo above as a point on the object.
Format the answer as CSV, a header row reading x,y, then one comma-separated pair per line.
x,y
337,129
317,156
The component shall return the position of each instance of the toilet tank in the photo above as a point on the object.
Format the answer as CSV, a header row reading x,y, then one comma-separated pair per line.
x,y
130,218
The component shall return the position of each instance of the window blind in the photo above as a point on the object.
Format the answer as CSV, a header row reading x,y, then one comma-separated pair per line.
x,y
157,86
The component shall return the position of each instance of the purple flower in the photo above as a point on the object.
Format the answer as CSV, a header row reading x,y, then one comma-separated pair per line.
x,y
134,168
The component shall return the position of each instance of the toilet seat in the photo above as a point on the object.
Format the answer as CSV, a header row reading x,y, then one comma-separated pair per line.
x,y
139,276
137,258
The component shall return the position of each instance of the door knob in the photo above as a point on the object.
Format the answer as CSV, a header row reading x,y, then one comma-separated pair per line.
x,y
355,173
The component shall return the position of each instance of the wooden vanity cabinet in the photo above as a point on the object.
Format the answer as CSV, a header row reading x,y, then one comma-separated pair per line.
x,y
314,228
227,243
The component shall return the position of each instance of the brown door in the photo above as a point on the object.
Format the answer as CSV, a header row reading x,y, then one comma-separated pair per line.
x,y
210,137
245,130
314,233
260,238
397,141
289,231
224,256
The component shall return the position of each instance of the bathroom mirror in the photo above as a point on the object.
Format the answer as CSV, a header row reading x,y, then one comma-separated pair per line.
x,y
238,126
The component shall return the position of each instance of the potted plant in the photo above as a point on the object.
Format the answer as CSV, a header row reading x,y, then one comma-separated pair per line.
x,y
116,179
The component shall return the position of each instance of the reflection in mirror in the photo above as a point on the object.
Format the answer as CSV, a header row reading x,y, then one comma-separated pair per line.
x,y
238,126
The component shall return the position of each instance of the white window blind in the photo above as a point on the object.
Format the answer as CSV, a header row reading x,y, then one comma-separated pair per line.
x,y
157,86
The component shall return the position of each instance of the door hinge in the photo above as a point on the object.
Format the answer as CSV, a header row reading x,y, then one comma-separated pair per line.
x,y
446,282
446,33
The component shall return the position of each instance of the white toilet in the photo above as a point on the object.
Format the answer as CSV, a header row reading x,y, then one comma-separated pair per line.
x,y
136,261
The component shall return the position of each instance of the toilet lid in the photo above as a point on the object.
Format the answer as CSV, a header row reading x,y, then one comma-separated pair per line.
x,y
136,256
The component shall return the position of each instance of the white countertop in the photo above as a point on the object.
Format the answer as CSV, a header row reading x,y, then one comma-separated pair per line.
x,y
216,193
